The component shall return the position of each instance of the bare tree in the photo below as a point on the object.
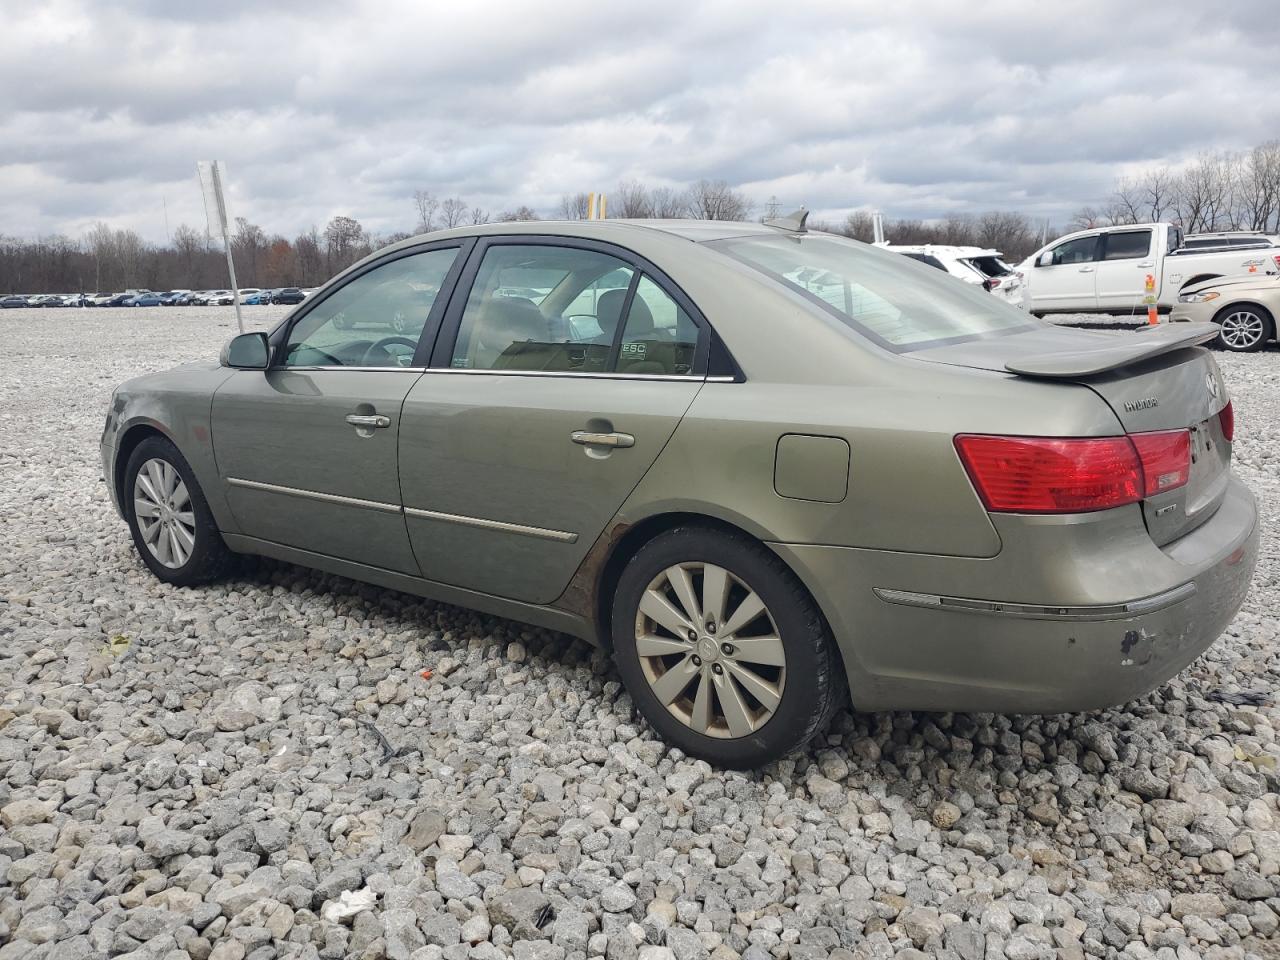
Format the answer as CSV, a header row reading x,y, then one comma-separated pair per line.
x,y
858,225
343,238
574,206
521,212
716,200
479,216
1259,187
452,212
667,204
247,244
425,204
632,201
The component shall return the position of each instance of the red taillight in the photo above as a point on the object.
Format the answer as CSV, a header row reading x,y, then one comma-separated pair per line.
x,y
1276,258
1227,419
1051,475
1073,475
1166,459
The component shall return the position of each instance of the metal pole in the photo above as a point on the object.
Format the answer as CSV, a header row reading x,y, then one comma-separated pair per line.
x,y
226,244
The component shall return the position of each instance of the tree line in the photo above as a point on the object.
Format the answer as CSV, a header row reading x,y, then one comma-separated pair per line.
x,y
1216,191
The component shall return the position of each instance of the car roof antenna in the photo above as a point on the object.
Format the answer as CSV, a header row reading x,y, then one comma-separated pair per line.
x,y
792,222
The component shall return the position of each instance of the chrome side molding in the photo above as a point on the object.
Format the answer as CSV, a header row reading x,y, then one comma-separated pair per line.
x,y
1033,611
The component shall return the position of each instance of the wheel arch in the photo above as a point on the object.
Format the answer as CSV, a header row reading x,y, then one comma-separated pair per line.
x,y
627,542
130,439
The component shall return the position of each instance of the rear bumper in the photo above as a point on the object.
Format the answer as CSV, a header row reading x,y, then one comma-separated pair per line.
x,y
1052,640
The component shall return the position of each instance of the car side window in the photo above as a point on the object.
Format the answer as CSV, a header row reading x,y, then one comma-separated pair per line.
x,y
542,307
1080,250
374,320
658,337
1129,245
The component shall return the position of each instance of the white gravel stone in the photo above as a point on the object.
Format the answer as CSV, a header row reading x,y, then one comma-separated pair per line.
x,y
218,772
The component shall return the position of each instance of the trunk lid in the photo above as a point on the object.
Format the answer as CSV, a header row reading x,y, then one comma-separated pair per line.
x,y
1156,379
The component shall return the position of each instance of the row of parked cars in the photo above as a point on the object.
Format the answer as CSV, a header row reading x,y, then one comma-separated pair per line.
x,y
153,298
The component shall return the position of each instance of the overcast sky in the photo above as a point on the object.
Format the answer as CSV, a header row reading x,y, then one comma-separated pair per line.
x,y
918,109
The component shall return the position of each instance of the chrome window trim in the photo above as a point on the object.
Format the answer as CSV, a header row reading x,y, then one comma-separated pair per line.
x,y
602,375
314,495
340,367
542,533
583,374
1035,611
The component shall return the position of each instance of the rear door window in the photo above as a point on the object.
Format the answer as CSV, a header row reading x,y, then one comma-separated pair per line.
x,y
1127,245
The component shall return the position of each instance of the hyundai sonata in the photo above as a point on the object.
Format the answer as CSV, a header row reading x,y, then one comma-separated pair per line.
x,y
765,468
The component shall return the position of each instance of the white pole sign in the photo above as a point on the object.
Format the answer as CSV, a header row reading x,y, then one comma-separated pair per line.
x,y
215,210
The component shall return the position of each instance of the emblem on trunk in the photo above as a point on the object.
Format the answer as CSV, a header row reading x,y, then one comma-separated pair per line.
x,y
1146,403
1212,383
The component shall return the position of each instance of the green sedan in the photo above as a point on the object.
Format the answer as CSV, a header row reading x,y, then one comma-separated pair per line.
x,y
769,470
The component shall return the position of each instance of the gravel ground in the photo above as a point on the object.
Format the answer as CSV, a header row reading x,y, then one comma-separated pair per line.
x,y
261,768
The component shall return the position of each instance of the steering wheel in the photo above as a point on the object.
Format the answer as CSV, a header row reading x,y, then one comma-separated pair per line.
x,y
386,342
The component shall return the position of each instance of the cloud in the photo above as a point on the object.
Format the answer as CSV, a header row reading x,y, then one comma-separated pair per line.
x,y
921,108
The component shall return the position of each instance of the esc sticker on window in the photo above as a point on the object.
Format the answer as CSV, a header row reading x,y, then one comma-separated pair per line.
x,y
635,351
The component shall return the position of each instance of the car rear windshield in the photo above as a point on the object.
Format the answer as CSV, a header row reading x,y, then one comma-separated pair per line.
x,y
990,266
900,304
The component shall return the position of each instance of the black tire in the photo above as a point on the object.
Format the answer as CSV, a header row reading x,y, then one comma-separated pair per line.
x,y
1245,318
209,558
814,681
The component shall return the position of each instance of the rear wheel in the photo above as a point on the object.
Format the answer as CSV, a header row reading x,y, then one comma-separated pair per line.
x,y
172,526
723,650
1243,328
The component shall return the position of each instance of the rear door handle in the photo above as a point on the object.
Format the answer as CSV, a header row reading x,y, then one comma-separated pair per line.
x,y
368,420
1086,269
1146,263
586,438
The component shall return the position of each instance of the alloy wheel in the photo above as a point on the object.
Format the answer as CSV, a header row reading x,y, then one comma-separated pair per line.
x,y
162,506
710,650
1242,329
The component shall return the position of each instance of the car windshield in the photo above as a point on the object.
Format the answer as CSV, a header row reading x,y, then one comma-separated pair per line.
x,y
899,304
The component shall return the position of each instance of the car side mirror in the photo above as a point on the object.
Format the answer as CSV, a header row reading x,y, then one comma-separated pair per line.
x,y
1046,259
249,351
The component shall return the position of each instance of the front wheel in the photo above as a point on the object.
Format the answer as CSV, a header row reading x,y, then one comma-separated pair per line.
x,y
722,649
172,527
1242,328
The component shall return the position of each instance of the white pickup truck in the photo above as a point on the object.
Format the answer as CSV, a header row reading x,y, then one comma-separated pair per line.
x,y
1106,269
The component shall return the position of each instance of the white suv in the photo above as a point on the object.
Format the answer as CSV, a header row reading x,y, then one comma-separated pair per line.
x,y
976,265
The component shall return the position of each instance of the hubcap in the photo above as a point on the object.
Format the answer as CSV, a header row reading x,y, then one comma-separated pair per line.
x,y
1242,329
163,508
710,650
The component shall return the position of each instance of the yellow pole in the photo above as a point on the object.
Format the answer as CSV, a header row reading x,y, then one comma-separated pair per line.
x,y
591,206
604,205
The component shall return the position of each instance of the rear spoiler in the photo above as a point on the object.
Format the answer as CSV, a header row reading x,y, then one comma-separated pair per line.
x,y
1114,352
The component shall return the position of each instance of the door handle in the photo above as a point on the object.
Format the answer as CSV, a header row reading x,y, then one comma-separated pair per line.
x,y
586,438
1086,269
368,420
1145,263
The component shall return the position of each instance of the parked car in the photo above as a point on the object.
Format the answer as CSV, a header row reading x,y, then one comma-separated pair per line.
x,y
13,300
147,300
209,298
977,265
98,299
74,300
258,298
1106,269
750,489
291,295
119,299
173,297
1244,308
